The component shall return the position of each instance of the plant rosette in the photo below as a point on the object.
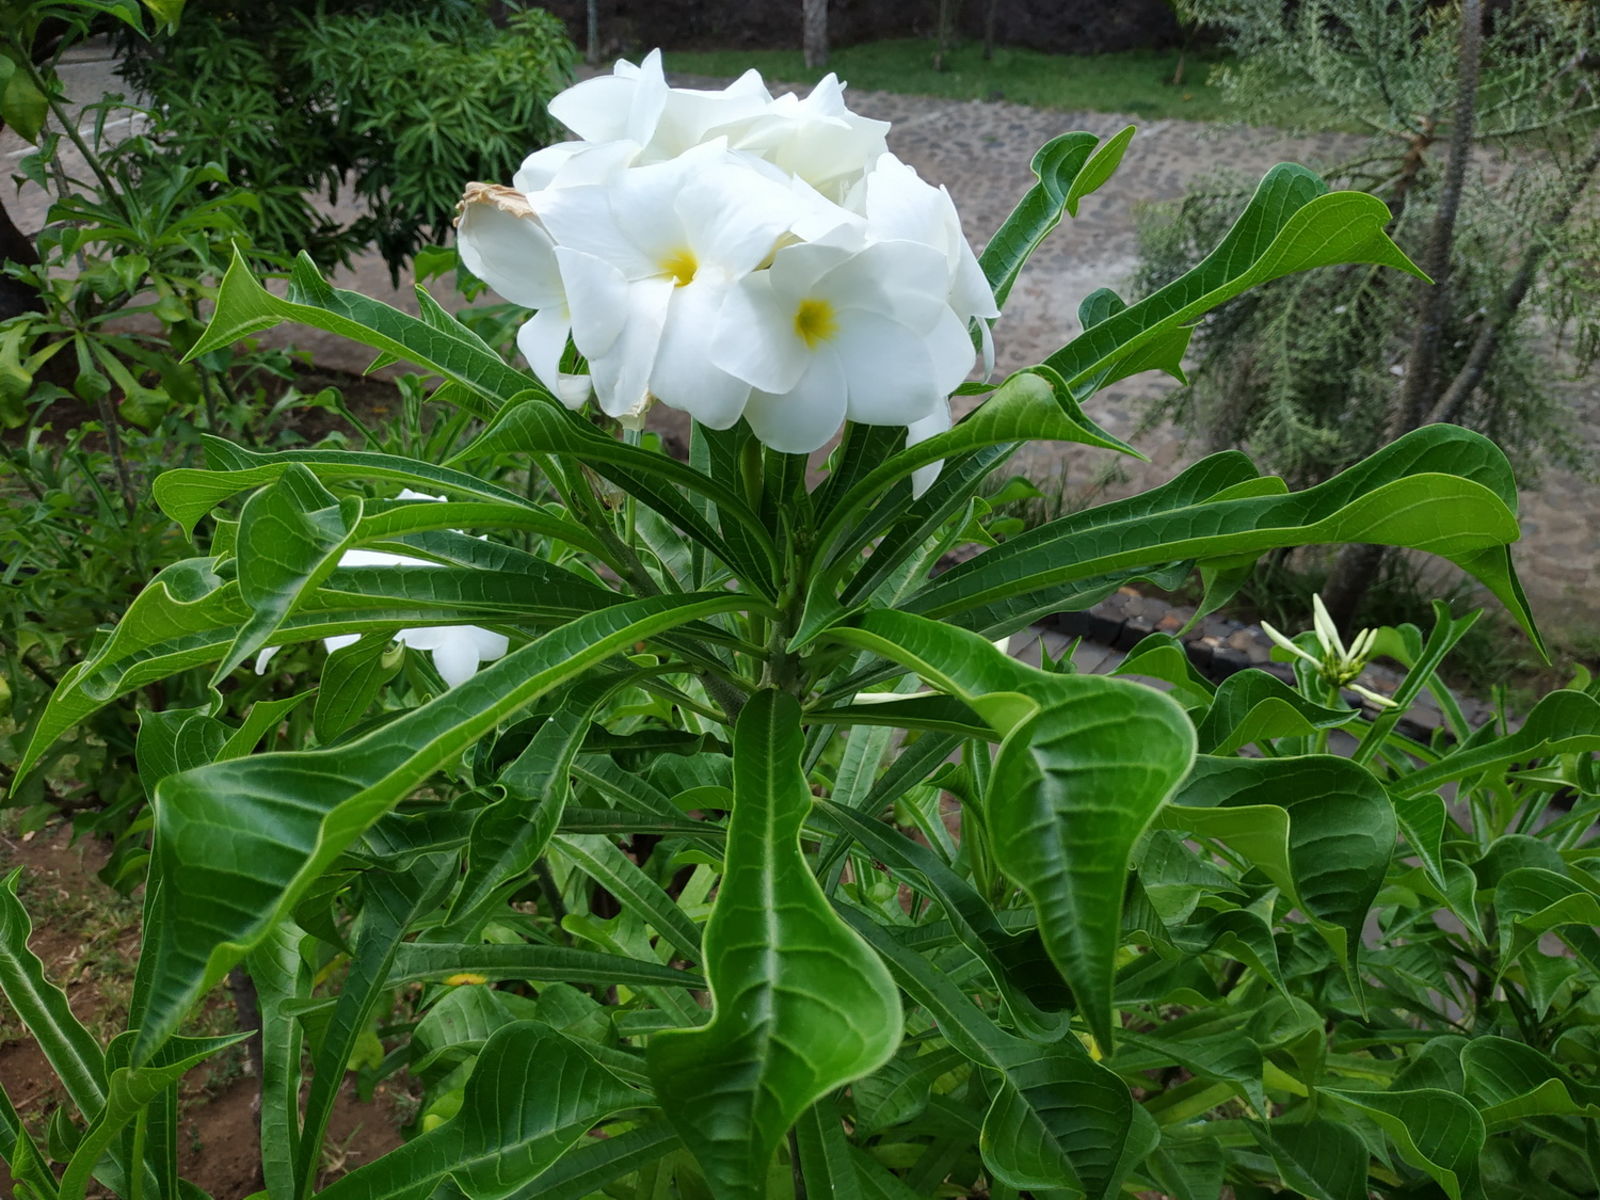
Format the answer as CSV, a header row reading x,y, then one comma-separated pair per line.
x,y
745,854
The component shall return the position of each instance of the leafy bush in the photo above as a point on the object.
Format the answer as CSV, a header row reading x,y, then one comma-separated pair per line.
x,y
390,105
1165,941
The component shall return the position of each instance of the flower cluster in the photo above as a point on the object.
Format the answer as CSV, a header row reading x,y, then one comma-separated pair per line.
x,y
732,254
1335,665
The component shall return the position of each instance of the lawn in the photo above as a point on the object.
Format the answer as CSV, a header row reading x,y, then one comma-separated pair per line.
x,y
1138,82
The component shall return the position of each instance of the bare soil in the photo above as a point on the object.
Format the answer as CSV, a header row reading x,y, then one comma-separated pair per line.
x,y
87,935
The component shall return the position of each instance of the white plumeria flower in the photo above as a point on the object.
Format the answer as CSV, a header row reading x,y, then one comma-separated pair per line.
x,y
634,105
825,334
648,260
732,254
1336,666
815,138
458,650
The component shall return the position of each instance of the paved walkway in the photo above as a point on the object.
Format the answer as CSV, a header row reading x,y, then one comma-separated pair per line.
x,y
981,151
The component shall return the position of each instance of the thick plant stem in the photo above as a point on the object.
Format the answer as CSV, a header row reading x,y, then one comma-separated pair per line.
x,y
1357,566
1421,368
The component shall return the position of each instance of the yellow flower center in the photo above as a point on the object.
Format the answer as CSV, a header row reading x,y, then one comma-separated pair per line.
x,y
681,265
814,322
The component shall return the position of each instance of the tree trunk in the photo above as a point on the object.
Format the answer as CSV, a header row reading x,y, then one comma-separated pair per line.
x,y
592,47
1357,566
814,32
948,11
1487,342
988,29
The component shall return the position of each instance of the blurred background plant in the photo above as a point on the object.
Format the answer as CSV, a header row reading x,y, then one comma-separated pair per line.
x,y
147,203
328,100
1485,143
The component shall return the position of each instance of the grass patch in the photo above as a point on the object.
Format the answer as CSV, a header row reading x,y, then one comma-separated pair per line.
x,y
1137,82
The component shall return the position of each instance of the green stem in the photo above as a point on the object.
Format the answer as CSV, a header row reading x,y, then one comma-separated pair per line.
x,y
24,58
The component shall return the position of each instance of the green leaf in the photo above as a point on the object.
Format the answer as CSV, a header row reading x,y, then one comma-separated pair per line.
x,y
351,680
1102,164
584,1171
1162,656
416,961
1084,764
1319,1159
1562,722
825,1161
291,535
534,427
128,1091
1435,1131
533,1095
1531,901
1057,165
280,975
1440,489
23,106
1253,706
245,307
800,1006
1059,1119
249,836
1291,224
1511,1082
1318,826
70,1049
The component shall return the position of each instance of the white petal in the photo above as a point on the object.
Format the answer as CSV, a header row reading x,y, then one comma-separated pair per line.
x,y
952,352
340,640
970,294
456,659
587,220
264,657
920,431
597,109
379,558
574,164
502,243
408,494
542,340
733,218
755,338
888,370
596,298
622,375
905,281
684,376
804,418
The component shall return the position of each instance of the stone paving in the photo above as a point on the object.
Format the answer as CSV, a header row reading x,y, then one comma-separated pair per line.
x,y
980,150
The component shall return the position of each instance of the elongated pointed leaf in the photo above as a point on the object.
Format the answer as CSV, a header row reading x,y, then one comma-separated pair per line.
x,y
128,1090
1084,764
1253,706
416,961
245,307
1292,223
1562,722
1059,1120
290,537
652,479
1056,165
801,1007
1320,827
244,839
1440,489
1511,1081
533,1094
1436,1131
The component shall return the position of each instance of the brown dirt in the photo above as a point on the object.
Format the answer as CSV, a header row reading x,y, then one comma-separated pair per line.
x,y
87,937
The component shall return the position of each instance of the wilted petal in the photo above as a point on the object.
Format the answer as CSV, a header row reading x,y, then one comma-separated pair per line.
x,y
805,417
502,242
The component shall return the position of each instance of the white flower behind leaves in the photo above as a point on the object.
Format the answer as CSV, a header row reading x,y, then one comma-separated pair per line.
x,y
457,650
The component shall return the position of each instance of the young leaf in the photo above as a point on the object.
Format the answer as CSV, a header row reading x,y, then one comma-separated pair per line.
x,y
801,1007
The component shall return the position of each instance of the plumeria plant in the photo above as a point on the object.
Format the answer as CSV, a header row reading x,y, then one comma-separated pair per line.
x,y
716,848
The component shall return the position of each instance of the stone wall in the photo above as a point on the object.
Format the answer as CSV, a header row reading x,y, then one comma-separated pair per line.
x,y
630,27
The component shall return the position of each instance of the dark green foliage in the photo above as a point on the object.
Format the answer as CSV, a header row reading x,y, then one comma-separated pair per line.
x,y
391,106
